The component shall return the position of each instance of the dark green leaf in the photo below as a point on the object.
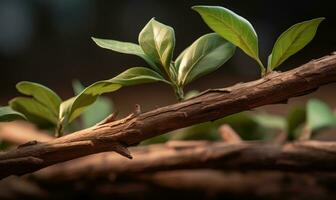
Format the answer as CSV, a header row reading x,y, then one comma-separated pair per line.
x,y
232,27
8,114
292,41
158,42
126,48
205,55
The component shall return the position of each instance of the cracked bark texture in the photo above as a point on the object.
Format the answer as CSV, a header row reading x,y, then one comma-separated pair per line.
x,y
210,105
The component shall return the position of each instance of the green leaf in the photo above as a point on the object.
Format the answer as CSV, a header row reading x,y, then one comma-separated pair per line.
x,y
158,42
97,111
271,121
293,40
35,111
296,117
137,75
232,27
126,48
319,115
45,96
8,114
73,107
205,55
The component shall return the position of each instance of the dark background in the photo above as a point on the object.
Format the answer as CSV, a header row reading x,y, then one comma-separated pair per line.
x,y
48,41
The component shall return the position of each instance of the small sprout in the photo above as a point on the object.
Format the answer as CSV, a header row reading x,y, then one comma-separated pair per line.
x,y
157,42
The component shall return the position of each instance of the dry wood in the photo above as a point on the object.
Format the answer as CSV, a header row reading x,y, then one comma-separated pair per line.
x,y
174,184
228,134
210,105
298,157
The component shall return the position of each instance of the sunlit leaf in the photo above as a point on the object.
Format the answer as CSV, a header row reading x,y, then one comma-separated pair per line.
x,y
293,40
205,55
8,114
319,115
158,42
42,94
232,27
126,48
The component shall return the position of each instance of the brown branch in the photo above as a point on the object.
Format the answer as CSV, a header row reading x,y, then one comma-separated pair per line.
x,y
189,183
299,156
210,105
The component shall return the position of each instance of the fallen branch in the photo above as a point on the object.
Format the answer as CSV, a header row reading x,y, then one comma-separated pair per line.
x,y
189,183
298,156
210,105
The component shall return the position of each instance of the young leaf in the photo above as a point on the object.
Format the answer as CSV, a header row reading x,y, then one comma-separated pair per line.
x,y
35,111
126,48
232,27
158,42
137,75
97,111
319,115
205,55
292,41
41,94
73,107
8,114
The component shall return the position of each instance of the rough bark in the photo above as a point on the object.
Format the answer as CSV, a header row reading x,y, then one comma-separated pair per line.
x,y
210,105
175,184
297,157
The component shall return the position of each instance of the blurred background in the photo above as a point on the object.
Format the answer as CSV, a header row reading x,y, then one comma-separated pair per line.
x,y
49,42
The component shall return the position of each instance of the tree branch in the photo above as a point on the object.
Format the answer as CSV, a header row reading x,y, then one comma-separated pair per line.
x,y
300,156
210,105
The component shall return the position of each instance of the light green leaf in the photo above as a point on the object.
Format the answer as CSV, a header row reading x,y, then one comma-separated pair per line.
x,y
97,111
42,94
35,111
293,40
158,42
73,107
232,27
205,55
126,48
271,121
319,115
137,75
8,114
